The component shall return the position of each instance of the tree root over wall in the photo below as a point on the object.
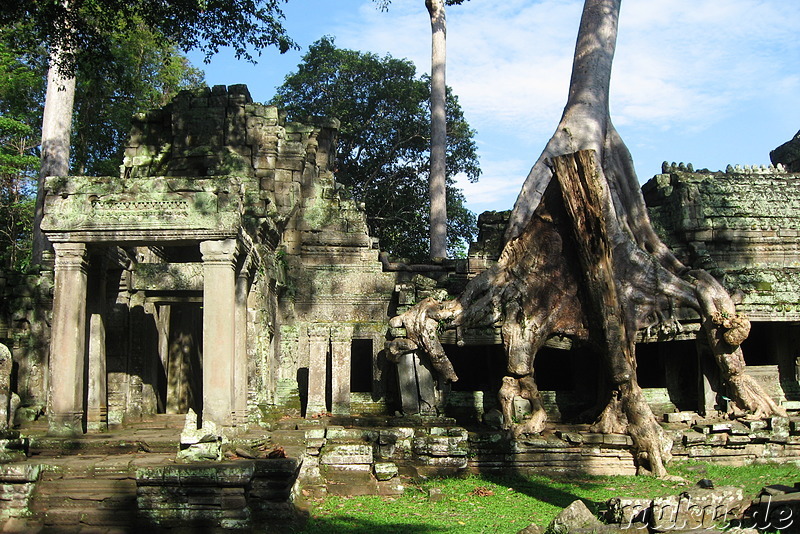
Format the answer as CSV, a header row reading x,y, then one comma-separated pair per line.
x,y
582,260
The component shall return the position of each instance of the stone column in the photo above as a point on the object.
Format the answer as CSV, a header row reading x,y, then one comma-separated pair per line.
x,y
68,342
6,365
407,378
318,342
341,340
219,329
97,402
709,381
428,399
240,352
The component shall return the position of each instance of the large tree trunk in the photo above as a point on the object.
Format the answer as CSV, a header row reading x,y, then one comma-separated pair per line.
x,y
582,260
437,180
56,131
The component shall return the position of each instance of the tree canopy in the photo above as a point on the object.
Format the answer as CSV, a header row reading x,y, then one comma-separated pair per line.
x,y
383,145
145,73
437,177
84,30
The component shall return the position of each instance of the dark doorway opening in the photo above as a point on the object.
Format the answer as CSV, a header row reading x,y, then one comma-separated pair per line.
x,y
361,366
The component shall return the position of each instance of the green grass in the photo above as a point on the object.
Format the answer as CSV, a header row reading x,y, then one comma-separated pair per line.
x,y
488,504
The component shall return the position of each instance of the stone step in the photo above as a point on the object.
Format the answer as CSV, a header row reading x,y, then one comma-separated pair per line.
x,y
99,502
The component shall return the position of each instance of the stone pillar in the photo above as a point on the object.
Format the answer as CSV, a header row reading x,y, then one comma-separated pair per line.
x,y
428,398
341,340
417,385
68,342
240,352
407,377
318,342
709,381
219,329
97,402
6,365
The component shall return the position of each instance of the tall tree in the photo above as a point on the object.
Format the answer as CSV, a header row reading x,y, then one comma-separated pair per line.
x,y
21,90
18,164
78,32
382,154
582,260
437,180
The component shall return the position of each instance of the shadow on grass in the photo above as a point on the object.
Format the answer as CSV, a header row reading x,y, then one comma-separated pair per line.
x,y
546,490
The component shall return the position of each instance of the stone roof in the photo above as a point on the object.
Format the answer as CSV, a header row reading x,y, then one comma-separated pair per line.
x,y
741,225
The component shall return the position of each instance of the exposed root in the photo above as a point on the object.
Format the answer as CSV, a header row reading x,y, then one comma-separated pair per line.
x,y
725,330
627,412
612,419
508,391
748,394
532,425
422,324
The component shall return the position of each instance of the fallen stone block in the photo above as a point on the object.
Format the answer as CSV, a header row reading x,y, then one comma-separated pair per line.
x,y
573,517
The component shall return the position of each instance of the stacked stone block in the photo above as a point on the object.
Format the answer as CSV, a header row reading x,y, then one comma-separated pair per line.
x,y
228,495
741,225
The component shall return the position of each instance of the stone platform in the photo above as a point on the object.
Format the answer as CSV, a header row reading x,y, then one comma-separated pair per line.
x,y
129,479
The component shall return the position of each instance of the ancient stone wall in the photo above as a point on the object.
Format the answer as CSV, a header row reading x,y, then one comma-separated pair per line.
x,y
740,225
25,316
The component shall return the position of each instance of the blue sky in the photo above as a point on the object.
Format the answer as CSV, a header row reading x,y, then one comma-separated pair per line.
x,y
710,82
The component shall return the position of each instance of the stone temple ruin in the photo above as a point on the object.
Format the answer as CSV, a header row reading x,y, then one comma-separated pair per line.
x,y
226,274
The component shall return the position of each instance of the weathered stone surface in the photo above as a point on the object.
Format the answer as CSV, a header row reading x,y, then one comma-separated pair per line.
x,y
625,511
385,470
346,454
533,528
696,508
6,364
788,154
440,446
573,517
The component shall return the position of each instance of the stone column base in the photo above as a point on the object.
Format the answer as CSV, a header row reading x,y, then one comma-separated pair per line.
x,y
65,424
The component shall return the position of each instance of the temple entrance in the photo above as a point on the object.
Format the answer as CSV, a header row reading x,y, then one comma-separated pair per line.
x,y
181,355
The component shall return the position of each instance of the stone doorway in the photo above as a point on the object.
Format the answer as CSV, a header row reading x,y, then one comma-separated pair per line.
x,y
182,358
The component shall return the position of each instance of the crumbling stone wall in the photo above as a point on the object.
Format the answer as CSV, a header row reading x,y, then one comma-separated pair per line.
x,y
25,316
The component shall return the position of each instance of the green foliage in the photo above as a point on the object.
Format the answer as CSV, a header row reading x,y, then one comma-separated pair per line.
x,y
384,4
84,30
18,164
145,72
383,149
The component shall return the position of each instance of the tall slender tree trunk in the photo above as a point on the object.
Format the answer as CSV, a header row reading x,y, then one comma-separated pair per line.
x,y
437,181
56,131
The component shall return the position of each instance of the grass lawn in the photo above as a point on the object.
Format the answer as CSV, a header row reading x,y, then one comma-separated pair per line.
x,y
488,504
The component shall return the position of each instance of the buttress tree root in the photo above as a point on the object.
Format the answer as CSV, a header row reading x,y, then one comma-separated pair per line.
x,y
582,260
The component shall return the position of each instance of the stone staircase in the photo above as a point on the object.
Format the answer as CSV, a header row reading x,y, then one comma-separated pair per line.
x,y
128,480
72,499
88,483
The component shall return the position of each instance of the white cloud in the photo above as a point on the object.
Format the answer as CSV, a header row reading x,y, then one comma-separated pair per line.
x,y
681,66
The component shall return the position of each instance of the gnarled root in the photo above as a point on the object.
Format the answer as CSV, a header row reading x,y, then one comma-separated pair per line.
x,y
508,391
748,394
627,412
422,325
536,422
726,330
